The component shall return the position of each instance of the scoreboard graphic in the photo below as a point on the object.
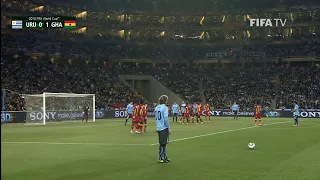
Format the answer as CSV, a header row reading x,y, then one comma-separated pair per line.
x,y
34,22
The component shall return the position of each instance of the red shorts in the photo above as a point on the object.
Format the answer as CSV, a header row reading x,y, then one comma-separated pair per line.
x,y
140,121
207,113
200,113
257,116
186,115
135,118
145,117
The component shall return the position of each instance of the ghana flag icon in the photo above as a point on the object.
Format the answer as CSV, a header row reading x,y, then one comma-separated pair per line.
x,y
70,24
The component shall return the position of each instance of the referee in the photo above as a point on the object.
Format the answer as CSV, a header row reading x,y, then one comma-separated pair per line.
x,y
163,128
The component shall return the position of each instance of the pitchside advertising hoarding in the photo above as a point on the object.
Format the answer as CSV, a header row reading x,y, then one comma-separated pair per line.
x,y
310,113
20,117
12,116
37,116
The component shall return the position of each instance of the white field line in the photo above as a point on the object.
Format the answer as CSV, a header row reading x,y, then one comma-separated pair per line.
x,y
221,132
72,143
115,144
303,127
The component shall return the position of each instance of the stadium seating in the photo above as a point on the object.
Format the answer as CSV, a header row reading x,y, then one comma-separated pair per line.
x,y
24,75
246,85
180,80
222,85
299,83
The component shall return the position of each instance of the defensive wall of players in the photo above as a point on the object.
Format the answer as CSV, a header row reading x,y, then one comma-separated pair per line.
x,y
20,116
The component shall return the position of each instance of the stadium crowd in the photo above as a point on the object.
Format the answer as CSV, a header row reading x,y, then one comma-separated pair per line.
x,y
222,86
22,75
79,47
245,85
300,83
180,79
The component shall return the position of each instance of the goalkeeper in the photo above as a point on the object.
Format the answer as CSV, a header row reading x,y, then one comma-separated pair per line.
x,y
85,113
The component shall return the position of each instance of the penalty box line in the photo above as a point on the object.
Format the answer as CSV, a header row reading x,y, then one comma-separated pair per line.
x,y
72,143
221,132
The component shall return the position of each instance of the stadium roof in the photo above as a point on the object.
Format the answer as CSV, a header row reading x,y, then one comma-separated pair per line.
x,y
180,5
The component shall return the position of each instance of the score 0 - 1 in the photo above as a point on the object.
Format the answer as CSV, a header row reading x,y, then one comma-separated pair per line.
x,y
47,24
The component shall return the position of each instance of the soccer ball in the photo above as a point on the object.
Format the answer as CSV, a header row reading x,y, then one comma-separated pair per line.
x,y
251,145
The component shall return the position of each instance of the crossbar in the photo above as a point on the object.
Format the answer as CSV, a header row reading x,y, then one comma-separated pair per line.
x,y
58,95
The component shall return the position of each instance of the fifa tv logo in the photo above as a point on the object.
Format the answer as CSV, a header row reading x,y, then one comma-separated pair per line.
x,y
268,22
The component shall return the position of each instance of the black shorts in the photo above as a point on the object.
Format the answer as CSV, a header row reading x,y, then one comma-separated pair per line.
x,y
175,114
235,112
129,115
295,117
196,114
163,136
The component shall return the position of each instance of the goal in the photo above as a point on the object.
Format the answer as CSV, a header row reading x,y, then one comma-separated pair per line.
x,y
58,107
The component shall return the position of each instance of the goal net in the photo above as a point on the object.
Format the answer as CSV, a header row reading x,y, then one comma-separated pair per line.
x,y
58,107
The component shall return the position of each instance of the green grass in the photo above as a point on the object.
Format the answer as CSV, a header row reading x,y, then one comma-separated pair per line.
x,y
106,150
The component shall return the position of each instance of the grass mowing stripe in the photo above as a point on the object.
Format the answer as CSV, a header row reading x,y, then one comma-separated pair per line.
x,y
63,125
114,144
221,132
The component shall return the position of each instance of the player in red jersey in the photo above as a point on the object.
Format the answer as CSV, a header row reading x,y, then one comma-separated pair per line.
x,y
199,113
135,118
145,114
141,118
186,114
207,112
257,114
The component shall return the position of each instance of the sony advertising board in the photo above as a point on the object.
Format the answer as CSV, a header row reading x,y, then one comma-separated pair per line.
x,y
55,115
20,116
36,116
278,113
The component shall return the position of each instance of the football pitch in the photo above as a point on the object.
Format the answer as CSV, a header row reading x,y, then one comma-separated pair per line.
x,y
105,150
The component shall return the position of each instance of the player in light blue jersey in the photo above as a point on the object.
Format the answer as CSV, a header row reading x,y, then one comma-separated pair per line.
x,y
296,114
194,111
182,111
129,112
175,111
235,110
163,128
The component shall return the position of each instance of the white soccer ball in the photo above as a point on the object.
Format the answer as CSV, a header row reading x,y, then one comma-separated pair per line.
x,y
251,145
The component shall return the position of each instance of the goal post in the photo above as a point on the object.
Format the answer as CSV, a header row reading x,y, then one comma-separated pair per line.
x,y
58,107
